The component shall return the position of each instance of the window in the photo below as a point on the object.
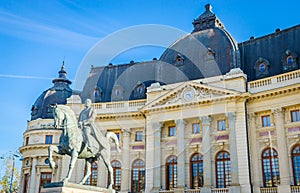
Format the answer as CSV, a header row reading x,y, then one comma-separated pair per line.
x,y
116,165
139,136
296,164
48,139
26,140
171,166
295,115
196,128
289,60
221,125
265,120
138,176
26,183
92,180
118,135
196,168
172,131
223,169
45,178
270,168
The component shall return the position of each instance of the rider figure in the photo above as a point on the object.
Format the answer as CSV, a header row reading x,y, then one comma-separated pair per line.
x,y
85,122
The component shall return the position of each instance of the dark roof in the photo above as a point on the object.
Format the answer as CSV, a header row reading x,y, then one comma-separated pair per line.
x,y
54,95
272,48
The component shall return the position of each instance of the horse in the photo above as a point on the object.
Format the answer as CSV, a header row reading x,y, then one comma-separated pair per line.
x,y
72,143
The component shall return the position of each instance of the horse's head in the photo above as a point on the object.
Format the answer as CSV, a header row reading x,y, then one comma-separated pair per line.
x,y
58,116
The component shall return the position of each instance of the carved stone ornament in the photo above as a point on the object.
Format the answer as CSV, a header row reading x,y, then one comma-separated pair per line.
x,y
179,60
117,93
261,68
289,61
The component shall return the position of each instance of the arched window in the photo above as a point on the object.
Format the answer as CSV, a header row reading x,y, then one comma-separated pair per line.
x,y
223,169
138,176
92,180
116,165
171,181
296,164
270,167
196,171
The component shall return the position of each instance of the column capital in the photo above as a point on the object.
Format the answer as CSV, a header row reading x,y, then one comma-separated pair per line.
x,y
180,122
231,115
126,132
205,120
278,112
157,126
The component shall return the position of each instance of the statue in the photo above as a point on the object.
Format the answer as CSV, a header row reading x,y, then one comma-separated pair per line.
x,y
72,141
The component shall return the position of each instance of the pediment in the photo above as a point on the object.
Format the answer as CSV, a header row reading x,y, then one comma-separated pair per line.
x,y
191,92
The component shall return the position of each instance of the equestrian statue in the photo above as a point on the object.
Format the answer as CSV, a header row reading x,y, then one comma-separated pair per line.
x,y
81,140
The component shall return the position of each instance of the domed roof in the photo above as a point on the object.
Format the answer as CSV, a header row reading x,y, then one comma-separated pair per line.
x,y
57,94
208,51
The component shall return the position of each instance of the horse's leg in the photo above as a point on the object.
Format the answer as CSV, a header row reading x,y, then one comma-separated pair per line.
x,y
74,156
104,156
52,149
88,163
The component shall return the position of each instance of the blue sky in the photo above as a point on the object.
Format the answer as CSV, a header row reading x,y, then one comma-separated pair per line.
x,y
36,36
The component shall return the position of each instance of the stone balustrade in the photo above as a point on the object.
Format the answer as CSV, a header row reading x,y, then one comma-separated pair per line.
x,y
219,190
269,190
273,82
117,107
295,189
192,191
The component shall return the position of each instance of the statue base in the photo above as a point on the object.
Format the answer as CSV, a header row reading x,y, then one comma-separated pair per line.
x,y
61,187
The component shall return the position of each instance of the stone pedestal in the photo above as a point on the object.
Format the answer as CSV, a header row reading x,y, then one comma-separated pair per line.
x,y
60,187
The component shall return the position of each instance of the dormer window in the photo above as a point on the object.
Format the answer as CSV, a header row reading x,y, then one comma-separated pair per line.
x,y
97,95
261,68
289,61
179,60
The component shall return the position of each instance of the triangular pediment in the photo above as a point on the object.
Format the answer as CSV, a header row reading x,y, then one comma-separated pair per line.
x,y
191,92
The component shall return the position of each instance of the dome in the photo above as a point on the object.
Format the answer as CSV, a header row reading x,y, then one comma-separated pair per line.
x,y
208,51
57,94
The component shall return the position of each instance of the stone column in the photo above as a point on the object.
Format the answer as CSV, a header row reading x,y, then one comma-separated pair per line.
x,y
284,168
149,157
33,181
234,185
180,127
157,156
125,178
252,123
206,150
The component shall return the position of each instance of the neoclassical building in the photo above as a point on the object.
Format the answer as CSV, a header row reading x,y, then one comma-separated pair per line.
x,y
210,115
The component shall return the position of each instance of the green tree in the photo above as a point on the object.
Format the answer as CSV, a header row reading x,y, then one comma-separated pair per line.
x,y
6,178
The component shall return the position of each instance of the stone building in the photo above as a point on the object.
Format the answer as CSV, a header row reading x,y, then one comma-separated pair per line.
x,y
210,115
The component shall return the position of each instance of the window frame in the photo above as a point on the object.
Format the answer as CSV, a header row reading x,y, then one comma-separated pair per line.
x,y
199,168
223,125
171,180
296,170
44,180
266,124
273,161
138,170
139,136
197,129
117,174
225,163
93,178
297,116
48,139
172,131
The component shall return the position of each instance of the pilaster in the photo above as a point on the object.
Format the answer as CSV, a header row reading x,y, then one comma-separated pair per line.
x,y
157,155
180,126
206,149
33,180
125,160
285,177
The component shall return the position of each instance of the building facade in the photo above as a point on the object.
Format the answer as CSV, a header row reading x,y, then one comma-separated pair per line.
x,y
210,115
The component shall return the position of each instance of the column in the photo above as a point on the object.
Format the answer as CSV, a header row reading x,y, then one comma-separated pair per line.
x,y
157,156
33,180
254,153
284,168
180,127
149,157
206,150
125,178
234,185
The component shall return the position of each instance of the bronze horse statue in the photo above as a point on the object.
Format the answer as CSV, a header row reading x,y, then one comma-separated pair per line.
x,y
72,143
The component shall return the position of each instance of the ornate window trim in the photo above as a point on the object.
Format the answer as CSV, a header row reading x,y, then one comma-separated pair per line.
x,y
261,68
289,61
117,93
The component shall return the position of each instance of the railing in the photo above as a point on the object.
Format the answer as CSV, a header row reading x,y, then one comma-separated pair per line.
x,y
295,189
116,107
192,191
166,191
219,190
268,190
274,81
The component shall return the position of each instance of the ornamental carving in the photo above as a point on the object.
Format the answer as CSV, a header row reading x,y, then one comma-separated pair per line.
x,y
261,68
179,60
117,93
289,61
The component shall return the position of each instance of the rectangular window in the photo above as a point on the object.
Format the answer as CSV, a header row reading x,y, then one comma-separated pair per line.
x,y
48,139
45,178
265,120
295,116
172,131
139,136
221,125
27,141
196,128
